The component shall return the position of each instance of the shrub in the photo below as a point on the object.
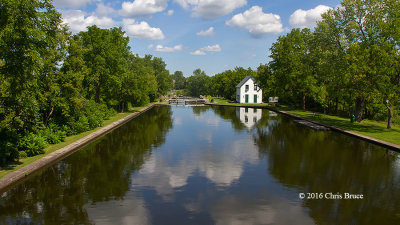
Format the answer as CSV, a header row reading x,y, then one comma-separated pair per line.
x,y
53,134
79,126
32,144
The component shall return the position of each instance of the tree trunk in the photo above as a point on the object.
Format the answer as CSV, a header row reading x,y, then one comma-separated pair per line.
x,y
122,106
49,115
359,108
390,115
97,98
336,105
304,101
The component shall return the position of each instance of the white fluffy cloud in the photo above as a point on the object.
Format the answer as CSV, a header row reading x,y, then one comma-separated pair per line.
x,y
256,22
209,48
198,52
307,18
210,9
142,30
78,20
170,12
214,48
143,8
160,48
71,3
208,32
104,10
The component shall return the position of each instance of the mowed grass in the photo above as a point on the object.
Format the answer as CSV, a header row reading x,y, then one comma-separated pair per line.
x,y
68,140
223,101
375,129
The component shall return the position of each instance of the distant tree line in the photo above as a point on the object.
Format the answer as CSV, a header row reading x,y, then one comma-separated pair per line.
x,y
55,84
349,64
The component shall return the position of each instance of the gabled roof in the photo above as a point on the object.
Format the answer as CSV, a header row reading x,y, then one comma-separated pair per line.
x,y
246,79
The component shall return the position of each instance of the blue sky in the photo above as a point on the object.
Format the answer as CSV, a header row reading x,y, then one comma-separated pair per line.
x,y
213,35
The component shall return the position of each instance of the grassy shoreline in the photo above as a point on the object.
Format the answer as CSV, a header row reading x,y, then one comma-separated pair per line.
x,y
374,129
68,140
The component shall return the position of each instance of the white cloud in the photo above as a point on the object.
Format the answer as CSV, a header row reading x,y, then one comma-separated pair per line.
x,y
143,8
78,20
307,18
214,48
198,52
209,48
210,9
170,12
104,10
208,32
71,3
256,22
142,30
160,48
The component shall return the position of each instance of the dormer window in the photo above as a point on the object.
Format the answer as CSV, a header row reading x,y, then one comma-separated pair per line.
x,y
255,87
247,88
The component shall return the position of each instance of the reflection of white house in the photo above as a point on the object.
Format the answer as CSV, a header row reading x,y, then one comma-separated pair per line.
x,y
248,91
249,116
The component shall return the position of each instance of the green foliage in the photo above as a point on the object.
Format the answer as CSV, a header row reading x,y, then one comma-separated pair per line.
x,y
348,65
53,134
179,79
55,84
32,144
198,83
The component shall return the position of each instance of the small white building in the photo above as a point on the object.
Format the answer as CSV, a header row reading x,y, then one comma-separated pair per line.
x,y
249,91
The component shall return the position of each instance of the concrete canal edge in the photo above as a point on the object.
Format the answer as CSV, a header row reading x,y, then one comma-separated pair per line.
x,y
350,133
18,175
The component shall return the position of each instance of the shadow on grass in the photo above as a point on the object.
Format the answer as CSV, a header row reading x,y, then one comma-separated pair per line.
x,y
10,166
358,127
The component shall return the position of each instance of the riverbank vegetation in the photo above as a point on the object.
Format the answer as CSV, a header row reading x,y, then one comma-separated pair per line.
x,y
371,128
348,64
55,84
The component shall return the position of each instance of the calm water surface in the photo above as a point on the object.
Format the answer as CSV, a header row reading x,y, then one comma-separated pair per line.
x,y
212,165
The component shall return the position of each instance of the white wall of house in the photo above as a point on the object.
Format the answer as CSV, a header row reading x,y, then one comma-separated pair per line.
x,y
248,89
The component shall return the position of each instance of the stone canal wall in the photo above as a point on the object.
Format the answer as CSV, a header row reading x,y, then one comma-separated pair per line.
x,y
57,155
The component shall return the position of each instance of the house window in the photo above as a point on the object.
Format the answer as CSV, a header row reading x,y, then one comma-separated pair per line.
x,y
247,88
246,119
246,110
255,87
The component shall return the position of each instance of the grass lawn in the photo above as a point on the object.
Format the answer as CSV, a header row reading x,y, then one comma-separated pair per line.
x,y
68,140
223,101
375,129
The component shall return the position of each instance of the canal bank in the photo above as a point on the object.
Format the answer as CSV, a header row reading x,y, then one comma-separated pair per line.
x,y
30,169
376,141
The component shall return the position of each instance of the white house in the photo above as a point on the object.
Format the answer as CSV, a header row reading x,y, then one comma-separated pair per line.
x,y
248,91
249,116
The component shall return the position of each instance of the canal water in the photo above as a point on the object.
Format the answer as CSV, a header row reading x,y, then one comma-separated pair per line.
x,y
213,165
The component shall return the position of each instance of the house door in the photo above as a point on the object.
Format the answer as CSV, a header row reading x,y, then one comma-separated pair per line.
x,y
246,98
255,98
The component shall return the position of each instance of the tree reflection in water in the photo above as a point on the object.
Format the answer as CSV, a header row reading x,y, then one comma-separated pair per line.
x,y
58,195
328,162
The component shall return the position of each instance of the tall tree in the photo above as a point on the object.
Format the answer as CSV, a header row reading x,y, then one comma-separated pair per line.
x,y
179,80
29,51
292,67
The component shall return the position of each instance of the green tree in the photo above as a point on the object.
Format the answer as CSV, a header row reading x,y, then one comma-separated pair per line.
x,y
179,79
197,84
292,68
30,50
